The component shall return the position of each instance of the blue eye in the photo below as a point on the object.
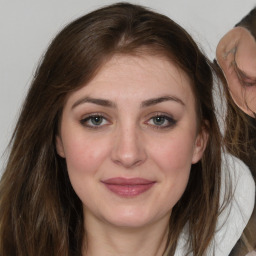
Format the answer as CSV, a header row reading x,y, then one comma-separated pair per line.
x,y
94,121
161,121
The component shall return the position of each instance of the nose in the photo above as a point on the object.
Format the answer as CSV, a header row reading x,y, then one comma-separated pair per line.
x,y
128,149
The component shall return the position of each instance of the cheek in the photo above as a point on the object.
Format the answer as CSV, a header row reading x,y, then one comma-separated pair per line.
x,y
84,154
84,157
174,164
173,158
174,155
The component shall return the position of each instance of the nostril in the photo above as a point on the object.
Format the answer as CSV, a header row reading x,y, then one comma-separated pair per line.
x,y
128,148
128,161
129,157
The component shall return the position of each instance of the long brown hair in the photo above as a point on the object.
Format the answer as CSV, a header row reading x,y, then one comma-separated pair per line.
x,y
240,139
40,214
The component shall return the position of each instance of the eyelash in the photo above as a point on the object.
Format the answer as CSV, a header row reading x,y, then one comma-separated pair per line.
x,y
171,122
243,78
90,117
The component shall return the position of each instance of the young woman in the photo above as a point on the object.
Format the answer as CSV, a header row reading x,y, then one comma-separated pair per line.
x,y
117,150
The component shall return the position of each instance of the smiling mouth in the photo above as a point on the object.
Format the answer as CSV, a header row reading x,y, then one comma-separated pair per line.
x,y
128,187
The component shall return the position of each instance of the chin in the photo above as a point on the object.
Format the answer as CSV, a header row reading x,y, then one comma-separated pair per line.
x,y
131,218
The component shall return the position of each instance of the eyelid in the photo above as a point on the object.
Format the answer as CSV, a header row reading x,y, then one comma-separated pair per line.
x,y
172,121
87,117
243,78
168,117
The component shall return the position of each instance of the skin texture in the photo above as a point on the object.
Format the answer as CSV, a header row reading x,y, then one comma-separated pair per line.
x,y
236,55
129,143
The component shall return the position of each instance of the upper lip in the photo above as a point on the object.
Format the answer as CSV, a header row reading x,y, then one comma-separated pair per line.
x,y
127,181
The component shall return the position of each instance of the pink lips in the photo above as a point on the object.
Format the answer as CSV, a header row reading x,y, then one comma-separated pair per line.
x,y
128,187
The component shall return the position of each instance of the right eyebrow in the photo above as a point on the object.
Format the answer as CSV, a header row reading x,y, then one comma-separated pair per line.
x,y
154,101
101,102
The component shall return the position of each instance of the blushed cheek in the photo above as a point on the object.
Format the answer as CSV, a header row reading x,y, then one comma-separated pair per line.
x,y
85,156
175,156
81,165
177,170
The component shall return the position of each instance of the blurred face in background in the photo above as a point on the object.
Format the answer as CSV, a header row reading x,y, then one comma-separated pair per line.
x,y
236,55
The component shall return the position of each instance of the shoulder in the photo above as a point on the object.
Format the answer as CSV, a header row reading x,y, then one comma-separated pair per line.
x,y
237,182
235,213
253,253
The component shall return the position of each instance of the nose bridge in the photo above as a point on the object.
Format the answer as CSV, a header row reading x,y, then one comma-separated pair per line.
x,y
128,149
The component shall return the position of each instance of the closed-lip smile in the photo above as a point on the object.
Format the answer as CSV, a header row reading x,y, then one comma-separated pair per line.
x,y
128,187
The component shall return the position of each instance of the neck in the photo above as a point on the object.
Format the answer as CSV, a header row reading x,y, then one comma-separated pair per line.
x,y
105,239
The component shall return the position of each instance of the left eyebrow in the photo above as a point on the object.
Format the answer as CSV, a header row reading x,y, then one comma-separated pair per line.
x,y
101,102
154,101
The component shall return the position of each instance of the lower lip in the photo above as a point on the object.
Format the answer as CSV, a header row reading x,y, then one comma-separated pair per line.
x,y
129,190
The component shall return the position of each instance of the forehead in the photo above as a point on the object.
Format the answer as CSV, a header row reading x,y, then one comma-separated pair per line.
x,y
134,77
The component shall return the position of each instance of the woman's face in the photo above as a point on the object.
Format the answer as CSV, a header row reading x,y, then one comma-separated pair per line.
x,y
129,138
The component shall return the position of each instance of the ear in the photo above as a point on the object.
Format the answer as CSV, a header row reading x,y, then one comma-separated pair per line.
x,y
59,146
200,145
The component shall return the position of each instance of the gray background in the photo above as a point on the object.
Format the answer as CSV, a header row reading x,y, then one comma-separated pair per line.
x,y
27,26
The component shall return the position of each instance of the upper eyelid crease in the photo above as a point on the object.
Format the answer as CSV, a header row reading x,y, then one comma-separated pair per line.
x,y
146,103
87,118
243,77
172,122
94,115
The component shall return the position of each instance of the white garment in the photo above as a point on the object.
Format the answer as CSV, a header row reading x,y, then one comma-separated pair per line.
x,y
253,253
236,215
234,218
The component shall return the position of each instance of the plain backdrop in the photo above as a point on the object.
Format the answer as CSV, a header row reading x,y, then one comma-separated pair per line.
x,y
27,27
